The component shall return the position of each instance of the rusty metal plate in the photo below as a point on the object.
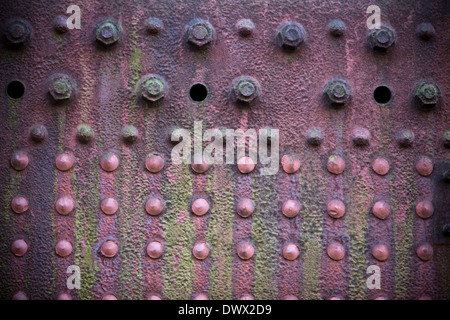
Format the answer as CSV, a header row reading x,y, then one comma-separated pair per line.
x,y
93,205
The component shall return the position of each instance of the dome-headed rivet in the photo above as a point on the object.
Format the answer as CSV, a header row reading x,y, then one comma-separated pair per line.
x,y
424,166
200,206
200,250
19,204
65,205
291,208
361,137
314,137
245,27
424,209
109,297
60,25
20,296
246,89
109,249
291,35
336,27
290,163
446,139
154,297
64,296
245,250
247,297
381,209
154,163
109,206
336,251
246,164
107,32
425,252
425,31
38,133
154,206
335,164
290,251
405,138
336,208
129,134
63,248
380,252
64,161
200,32
290,297
84,133
201,296
155,249
200,167
19,160
245,207
154,25
19,247
109,161
380,166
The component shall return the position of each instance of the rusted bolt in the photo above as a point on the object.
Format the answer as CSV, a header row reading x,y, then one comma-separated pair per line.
x,y
18,32
381,209
109,249
63,248
200,206
290,208
247,297
200,32
245,207
290,252
60,87
154,25
291,35
20,296
335,164
245,27
38,133
201,296
61,24
361,137
336,27
153,87
427,93
405,138
109,206
19,160
64,296
19,247
336,208
290,163
338,91
200,250
446,139
109,161
155,249
107,33
19,204
314,137
200,167
425,31
129,134
109,297
336,251
424,166
246,164
246,89
382,39
245,250
425,252
84,133
64,161
154,206
64,205
380,252
424,209
380,166
154,163
446,229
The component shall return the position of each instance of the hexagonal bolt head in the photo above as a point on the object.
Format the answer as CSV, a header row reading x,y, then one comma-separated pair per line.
x,y
427,93
246,89
107,33
200,32
338,91
382,38
153,87
60,88
17,32
291,35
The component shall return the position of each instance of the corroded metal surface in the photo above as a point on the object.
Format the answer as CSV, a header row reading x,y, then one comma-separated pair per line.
x,y
86,176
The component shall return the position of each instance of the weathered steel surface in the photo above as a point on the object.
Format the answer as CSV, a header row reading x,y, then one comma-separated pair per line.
x,y
89,206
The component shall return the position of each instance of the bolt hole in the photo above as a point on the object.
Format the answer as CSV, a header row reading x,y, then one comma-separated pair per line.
x,y
15,89
198,92
382,94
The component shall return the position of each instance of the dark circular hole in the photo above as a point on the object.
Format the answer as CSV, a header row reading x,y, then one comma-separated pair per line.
x,y
198,92
15,89
382,94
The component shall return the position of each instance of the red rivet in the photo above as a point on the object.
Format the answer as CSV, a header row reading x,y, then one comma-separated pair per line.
x,y
64,296
19,160
290,297
154,163
336,208
246,297
200,206
109,249
154,206
200,167
380,166
109,297
64,205
109,161
425,252
20,296
246,164
109,206
425,297
153,297
19,204
290,251
291,208
290,163
424,166
19,247
380,298
335,298
245,250
63,248
201,296
64,161
200,250
424,209
154,249
336,251
245,207
381,209
336,164
380,252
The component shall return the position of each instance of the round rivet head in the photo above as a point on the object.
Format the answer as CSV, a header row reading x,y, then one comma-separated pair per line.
x,y
290,251
154,163
380,166
291,35
247,297
19,160
154,206
246,165
201,296
425,31
153,297
380,252
291,208
446,139
425,252
200,167
109,161
336,251
64,296
290,163
20,296
155,249
424,166
245,27
290,297
335,298
60,87
200,251
314,137
109,206
107,33
109,297
335,164
60,25
200,32
200,206
109,249
17,32
382,39
336,27
337,91
446,229
38,133
154,25
153,87
245,250
129,134
19,204
245,207
427,93
424,209
381,209
19,247
64,205
405,138
336,208
63,248
84,133
381,298
246,89
361,137
64,161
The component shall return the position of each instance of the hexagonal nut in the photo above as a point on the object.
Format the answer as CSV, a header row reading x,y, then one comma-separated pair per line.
x,y
17,31
291,35
60,87
107,32
427,93
200,32
382,38
338,91
153,87
246,89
